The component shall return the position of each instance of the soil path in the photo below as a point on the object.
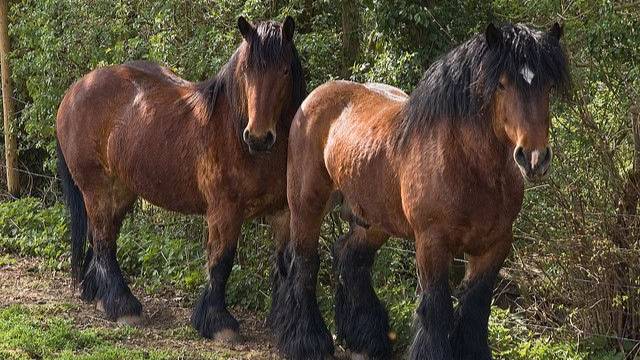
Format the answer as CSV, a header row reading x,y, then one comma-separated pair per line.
x,y
24,282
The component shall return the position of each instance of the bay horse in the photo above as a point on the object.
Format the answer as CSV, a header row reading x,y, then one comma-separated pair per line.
x,y
216,148
444,167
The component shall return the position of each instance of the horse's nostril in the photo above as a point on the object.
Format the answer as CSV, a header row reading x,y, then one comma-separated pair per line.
x,y
519,156
270,138
245,135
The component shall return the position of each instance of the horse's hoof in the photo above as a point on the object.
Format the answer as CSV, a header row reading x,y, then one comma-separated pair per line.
x,y
131,320
227,336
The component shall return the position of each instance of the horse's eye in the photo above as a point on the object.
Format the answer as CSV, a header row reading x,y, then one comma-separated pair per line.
x,y
285,71
500,86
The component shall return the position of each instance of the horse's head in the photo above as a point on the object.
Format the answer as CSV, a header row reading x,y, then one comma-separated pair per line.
x,y
267,71
527,65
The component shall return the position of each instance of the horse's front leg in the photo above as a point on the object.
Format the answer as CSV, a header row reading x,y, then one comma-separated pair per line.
x,y
300,331
469,339
435,312
210,316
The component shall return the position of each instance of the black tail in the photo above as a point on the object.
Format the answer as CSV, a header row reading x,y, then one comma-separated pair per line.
x,y
75,203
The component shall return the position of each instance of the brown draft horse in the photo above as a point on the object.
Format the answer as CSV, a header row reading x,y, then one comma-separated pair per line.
x,y
216,148
443,167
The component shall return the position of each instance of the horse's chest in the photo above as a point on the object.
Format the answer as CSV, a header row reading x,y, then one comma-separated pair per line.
x,y
476,213
258,186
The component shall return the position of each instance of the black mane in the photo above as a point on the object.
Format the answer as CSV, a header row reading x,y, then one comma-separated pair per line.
x,y
460,85
266,50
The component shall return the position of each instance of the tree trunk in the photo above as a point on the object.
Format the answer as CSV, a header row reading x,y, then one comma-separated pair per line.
x,y
350,34
10,147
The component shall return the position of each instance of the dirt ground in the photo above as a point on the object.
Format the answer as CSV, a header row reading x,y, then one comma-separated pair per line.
x,y
166,328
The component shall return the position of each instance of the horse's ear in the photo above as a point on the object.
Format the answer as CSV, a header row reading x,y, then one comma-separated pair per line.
x,y
556,30
493,35
246,29
288,27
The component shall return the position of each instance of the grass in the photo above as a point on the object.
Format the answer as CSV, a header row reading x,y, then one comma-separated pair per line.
x,y
45,333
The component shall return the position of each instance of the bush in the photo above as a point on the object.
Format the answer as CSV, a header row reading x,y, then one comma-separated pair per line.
x,y
30,228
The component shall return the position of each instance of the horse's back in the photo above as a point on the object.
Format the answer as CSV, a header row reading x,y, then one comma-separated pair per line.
x,y
93,99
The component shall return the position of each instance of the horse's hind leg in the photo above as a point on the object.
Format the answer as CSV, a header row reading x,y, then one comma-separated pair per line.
x,y
362,321
210,316
469,336
103,281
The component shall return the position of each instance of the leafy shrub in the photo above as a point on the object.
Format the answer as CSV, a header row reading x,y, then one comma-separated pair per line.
x,y
30,228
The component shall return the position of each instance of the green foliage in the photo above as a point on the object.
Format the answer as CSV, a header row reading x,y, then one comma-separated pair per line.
x,y
30,228
163,250
511,339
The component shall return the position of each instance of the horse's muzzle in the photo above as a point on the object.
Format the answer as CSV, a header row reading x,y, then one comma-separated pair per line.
x,y
259,144
534,164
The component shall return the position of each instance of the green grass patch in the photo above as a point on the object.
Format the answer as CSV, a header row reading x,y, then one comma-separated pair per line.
x,y
44,332
6,259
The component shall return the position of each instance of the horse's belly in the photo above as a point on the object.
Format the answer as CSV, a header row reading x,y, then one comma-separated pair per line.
x,y
156,173
172,196
368,187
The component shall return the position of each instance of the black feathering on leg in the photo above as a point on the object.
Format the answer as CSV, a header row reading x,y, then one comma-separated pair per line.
x,y
434,321
361,320
279,271
210,315
103,282
469,338
299,328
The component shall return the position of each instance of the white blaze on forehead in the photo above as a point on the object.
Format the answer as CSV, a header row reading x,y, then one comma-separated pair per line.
x,y
527,74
